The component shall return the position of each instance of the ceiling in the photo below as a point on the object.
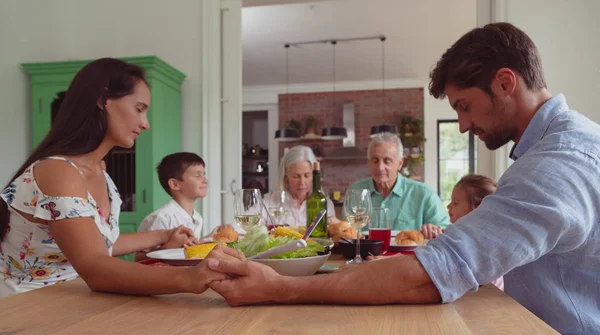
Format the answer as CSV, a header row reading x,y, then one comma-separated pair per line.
x,y
417,31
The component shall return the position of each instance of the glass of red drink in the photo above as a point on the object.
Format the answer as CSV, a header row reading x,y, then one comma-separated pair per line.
x,y
380,227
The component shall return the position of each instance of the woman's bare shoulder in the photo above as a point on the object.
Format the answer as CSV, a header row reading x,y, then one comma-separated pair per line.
x,y
59,178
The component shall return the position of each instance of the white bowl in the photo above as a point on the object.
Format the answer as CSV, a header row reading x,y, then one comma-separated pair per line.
x,y
296,267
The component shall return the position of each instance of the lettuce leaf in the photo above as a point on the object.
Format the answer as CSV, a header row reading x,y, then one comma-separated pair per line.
x,y
258,240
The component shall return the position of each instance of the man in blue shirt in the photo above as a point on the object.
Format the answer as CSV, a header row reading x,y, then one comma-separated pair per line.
x,y
412,204
541,229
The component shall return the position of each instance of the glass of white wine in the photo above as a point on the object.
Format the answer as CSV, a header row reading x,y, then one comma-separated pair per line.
x,y
357,207
278,203
247,207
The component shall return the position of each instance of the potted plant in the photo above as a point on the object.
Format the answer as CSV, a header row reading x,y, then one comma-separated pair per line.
x,y
310,125
412,137
294,124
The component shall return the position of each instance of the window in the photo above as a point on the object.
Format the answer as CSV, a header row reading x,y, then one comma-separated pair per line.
x,y
457,154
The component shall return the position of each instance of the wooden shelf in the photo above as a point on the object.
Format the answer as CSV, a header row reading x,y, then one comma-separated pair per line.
x,y
307,139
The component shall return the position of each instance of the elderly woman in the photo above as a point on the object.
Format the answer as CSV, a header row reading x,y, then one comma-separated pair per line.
x,y
412,204
295,177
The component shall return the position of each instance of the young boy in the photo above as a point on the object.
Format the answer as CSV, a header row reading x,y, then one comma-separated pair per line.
x,y
183,177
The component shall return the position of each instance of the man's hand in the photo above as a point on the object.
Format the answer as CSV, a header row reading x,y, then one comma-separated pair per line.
x,y
430,231
250,282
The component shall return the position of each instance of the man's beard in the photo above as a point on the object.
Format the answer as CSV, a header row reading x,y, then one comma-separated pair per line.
x,y
504,132
495,141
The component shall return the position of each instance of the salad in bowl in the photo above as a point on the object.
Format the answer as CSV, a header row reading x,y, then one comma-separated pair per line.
x,y
301,262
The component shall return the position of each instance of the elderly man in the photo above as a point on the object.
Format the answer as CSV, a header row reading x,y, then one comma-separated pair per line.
x,y
541,229
412,204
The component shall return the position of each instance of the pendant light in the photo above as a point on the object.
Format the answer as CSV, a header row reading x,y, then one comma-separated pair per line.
x,y
383,128
287,134
333,133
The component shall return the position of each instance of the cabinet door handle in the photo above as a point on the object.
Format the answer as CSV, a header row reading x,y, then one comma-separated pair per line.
x,y
40,105
144,196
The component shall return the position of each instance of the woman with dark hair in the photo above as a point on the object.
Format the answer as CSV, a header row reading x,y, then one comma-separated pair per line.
x,y
59,214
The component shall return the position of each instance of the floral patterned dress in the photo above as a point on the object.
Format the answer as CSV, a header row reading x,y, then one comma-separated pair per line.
x,y
29,256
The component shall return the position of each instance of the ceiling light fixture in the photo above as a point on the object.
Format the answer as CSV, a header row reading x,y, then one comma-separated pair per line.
x,y
333,132
383,128
287,134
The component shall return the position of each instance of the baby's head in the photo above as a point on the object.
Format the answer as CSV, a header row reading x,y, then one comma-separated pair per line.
x,y
468,194
182,174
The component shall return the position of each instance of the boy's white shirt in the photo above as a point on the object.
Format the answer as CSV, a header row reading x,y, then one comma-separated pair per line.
x,y
171,216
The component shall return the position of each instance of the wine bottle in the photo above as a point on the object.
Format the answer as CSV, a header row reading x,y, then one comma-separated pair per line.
x,y
315,203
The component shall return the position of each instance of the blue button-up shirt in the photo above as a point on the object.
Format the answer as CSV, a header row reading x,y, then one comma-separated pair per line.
x,y
541,229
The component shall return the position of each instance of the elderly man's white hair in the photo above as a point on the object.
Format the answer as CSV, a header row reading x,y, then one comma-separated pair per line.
x,y
382,138
297,154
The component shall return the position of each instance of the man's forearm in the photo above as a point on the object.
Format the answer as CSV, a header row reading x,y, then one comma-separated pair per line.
x,y
400,279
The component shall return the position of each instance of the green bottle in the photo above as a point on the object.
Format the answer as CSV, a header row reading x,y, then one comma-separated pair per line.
x,y
315,203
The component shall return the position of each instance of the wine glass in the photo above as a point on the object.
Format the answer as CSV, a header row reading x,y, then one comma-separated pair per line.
x,y
247,207
278,204
357,207
380,227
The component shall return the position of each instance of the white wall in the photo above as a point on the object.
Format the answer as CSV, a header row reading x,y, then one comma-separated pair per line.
x,y
567,34
40,31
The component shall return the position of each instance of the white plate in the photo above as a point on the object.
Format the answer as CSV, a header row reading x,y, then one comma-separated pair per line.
x,y
394,247
173,257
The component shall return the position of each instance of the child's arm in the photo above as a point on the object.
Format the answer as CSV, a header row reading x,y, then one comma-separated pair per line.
x,y
152,225
166,239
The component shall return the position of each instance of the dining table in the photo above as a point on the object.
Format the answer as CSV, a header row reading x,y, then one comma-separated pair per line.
x,y
72,308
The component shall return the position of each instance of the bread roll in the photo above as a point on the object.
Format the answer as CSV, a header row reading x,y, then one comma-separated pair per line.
x,y
348,233
410,237
226,234
336,228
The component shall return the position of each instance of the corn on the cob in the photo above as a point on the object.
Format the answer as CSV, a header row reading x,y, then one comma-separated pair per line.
x,y
285,231
200,250
289,232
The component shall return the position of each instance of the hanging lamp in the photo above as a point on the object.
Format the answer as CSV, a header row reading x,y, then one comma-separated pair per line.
x,y
333,132
287,134
383,128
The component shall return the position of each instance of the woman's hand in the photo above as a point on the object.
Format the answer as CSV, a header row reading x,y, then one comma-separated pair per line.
x,y
430,231
201,275
178,238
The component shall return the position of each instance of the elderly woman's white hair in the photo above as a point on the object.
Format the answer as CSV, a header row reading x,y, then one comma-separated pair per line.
x,y
297,154
382,138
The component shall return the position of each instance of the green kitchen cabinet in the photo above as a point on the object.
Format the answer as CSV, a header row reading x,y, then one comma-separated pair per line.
x,y
132,169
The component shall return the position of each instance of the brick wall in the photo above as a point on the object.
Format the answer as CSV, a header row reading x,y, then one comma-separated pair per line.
x,y
338,174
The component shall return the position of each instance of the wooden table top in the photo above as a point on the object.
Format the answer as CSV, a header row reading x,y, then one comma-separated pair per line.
x,y
71,308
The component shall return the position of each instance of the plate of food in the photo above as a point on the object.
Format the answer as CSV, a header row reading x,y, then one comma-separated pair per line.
x,y
195,254
407,240
188,256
